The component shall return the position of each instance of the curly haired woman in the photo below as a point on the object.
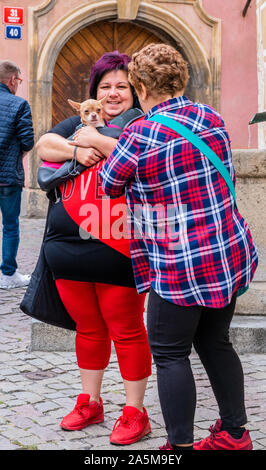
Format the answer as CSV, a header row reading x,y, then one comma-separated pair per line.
x,y
193,273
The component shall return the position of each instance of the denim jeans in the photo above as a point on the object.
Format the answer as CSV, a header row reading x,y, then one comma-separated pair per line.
x,y
10,202
172,329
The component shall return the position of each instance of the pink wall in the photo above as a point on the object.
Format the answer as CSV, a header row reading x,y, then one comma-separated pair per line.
x,y
239,86
17,50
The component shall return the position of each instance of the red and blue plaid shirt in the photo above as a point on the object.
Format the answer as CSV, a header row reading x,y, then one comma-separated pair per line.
x,y
188,241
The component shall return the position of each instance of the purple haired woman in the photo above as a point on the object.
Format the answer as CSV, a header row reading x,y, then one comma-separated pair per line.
x,y
94,275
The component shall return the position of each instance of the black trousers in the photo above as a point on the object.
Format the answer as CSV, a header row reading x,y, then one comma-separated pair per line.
x,y
172,330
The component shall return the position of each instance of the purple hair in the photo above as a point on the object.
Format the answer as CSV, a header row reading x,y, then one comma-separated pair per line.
x,y
107,63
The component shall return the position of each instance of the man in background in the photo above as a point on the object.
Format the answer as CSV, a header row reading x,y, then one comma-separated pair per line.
x,y
16,139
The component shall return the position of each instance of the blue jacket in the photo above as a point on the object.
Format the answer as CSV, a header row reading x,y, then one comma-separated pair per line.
x,y
16,136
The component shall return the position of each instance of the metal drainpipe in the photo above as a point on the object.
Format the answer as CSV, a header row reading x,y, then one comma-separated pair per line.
x,y
244,12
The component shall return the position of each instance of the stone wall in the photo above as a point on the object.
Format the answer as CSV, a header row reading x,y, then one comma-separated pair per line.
x,y
250,168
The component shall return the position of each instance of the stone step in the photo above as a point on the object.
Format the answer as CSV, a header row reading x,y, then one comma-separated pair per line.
x,y
46,337
247,333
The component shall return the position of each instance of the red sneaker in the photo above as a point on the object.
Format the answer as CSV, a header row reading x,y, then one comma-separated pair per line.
x,y
86,412
131,426
166,446
221,440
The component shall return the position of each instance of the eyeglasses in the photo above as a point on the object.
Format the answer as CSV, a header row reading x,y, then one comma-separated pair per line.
x,y
19,79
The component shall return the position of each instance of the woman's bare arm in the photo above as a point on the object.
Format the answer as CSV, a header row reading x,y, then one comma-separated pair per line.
x,y
55,148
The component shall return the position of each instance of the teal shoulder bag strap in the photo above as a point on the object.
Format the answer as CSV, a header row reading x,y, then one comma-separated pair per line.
x,y
203,148
197,142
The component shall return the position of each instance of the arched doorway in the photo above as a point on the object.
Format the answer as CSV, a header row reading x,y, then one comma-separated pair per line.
x,y
83,49
47,43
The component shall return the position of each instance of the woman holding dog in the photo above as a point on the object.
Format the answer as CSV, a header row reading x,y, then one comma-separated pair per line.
x,y
93,274
195,272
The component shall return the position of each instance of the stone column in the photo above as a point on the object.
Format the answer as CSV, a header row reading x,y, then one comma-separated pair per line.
x,y
250,168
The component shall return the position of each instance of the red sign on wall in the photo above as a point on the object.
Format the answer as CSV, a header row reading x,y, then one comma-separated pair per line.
x,y
13,15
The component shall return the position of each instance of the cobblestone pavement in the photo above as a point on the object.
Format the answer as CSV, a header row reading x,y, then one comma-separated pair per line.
x,y
38,388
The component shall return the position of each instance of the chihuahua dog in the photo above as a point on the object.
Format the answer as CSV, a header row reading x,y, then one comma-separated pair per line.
x,y
91,111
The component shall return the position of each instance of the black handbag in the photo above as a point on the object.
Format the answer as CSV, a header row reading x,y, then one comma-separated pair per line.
x,y
49,178
41,300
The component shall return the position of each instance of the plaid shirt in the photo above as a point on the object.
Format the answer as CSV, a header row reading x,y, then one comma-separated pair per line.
x,y
191,244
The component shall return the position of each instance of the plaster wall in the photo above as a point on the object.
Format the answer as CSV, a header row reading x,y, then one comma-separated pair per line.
x,y
261,53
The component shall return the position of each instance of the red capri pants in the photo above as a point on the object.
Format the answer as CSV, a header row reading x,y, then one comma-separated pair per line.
x,y
105,313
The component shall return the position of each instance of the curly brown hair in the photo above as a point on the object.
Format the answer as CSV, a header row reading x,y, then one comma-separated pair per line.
x,y
161,69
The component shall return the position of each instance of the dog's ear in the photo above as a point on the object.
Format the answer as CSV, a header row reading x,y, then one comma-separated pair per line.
x,y
74,105
103,99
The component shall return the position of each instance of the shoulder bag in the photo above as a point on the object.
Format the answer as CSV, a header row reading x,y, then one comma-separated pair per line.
x,y
41,299
195,140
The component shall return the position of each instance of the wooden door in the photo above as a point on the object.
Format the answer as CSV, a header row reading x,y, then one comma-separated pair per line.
x,y
72,68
